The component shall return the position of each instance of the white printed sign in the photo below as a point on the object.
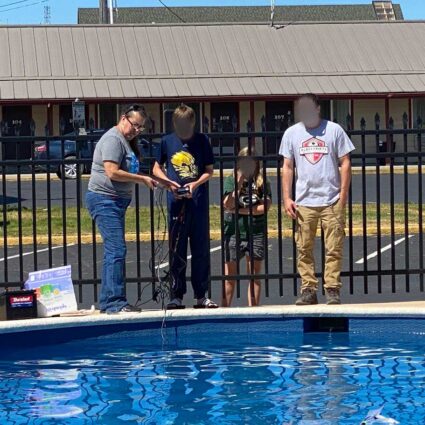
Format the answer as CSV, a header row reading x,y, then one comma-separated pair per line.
x,y
55,291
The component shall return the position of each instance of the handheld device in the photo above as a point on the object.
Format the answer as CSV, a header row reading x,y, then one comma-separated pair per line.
x,y
181,191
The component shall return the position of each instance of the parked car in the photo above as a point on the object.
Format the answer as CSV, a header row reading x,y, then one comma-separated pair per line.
x,y
86,148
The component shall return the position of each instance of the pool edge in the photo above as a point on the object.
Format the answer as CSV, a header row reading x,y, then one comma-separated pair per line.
x,y
152,317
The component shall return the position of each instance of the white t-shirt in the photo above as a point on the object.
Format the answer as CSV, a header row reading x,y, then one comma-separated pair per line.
x,y
316,153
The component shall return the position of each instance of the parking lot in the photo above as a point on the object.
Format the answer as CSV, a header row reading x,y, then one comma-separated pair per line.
x,y
55,186
360,264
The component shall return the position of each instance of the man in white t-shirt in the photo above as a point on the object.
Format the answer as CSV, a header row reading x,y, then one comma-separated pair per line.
x,y
320,151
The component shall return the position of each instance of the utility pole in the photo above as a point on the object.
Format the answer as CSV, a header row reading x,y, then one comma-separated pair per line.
x,y
47,15
111,12
104,12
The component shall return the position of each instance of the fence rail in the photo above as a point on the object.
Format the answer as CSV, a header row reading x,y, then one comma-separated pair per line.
x,y
45,224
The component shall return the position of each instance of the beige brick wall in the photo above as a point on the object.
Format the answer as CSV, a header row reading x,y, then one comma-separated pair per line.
x,y
397,107
92,114
39,115
244,116
367,109
259,111
154,112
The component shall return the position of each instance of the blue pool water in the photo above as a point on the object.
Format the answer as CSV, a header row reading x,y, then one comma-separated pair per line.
x,y
265,372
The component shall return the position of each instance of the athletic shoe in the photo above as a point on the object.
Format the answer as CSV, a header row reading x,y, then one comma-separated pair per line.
x,y
130,309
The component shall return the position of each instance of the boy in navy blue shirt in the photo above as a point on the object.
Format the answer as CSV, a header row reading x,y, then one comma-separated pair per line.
x,y
188,159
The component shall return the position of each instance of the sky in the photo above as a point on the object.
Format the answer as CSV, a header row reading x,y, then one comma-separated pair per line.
x,y
65,11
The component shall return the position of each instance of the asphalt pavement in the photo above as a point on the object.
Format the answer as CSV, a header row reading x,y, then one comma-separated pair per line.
x,y
82,261
68,191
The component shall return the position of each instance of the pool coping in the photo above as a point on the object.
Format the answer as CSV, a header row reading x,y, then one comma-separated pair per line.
x,y
413,310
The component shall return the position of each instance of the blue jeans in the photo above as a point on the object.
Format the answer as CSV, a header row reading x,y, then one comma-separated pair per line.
x,y
109,214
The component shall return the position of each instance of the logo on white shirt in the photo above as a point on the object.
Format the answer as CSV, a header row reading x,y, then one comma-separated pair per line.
x,y
313,150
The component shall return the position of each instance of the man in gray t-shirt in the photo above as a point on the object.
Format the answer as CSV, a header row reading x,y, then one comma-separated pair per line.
x,y
317,148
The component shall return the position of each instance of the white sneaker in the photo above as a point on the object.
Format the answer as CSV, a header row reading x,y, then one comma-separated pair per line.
x,y
175,303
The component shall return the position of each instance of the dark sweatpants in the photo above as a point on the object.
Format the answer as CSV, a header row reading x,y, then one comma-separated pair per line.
x,y
188,221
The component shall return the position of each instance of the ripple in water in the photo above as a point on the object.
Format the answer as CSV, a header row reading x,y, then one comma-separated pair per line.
x,y
308,379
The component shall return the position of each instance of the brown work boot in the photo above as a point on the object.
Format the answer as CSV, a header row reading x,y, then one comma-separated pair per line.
x,y
308,297
332,296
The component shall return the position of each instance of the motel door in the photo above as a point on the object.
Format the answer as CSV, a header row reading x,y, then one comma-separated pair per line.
x,y
17,122
225,119
66,125
279,115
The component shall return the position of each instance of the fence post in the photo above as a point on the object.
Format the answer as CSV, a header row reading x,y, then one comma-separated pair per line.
x,y
364,202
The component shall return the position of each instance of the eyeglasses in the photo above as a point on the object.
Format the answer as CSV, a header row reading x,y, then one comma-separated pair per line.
x,y
135,126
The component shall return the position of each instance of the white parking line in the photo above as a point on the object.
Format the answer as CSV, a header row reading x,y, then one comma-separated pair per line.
x,y
162,266
32,252
385,248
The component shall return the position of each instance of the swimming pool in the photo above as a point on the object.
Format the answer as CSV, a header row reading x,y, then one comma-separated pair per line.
x,y
221,372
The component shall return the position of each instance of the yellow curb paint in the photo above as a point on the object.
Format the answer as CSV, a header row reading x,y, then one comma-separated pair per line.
x,y
37,177
369,170
215,235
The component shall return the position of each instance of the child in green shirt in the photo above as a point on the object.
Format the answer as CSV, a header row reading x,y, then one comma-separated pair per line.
x,y
250,238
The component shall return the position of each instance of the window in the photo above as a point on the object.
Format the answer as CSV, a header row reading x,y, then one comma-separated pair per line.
x,y
107,115
384,10
418,111
340,112
325,109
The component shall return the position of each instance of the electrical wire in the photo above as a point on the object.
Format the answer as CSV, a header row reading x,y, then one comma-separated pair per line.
x,y
24,6
164,282
15,2
172,11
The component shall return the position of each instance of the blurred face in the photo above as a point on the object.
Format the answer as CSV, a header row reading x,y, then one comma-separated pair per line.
x,y
308,112
247,166
131,125
184,128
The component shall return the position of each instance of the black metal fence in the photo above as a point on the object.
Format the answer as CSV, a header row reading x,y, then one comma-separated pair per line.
x,y
44,222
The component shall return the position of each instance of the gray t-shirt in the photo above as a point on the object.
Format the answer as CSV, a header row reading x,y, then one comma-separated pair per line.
x,y
316,153
113,147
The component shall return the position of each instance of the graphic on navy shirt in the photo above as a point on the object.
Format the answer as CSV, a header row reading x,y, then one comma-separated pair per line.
x,y
184,165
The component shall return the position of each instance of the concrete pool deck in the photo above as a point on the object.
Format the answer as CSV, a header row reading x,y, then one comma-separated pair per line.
x,y
414,309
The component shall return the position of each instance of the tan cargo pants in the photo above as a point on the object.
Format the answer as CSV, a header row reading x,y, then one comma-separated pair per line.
x,y
332,219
